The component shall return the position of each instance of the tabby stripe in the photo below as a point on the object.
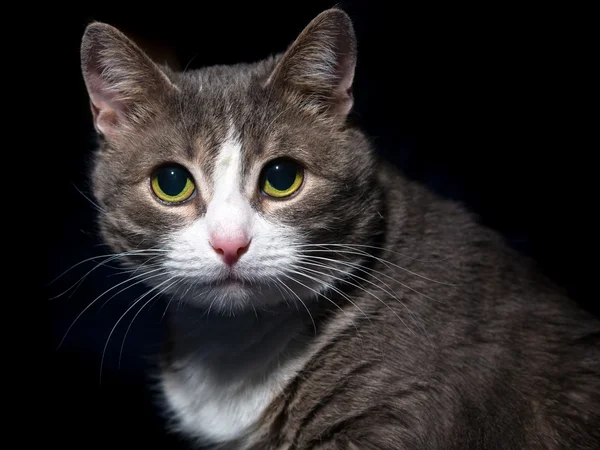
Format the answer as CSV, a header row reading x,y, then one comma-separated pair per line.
x,y
374,414
316,362
362,368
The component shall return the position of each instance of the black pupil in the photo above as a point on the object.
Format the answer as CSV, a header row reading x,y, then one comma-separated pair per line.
x,y
281,174
171,180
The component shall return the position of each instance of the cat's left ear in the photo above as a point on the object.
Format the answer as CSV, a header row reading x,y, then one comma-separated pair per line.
x,y
124,85
318,68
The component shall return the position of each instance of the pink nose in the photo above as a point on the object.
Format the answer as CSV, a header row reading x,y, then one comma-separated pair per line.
x,y
229,248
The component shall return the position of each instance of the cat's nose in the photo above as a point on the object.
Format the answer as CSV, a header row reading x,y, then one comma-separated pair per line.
x,y
230,248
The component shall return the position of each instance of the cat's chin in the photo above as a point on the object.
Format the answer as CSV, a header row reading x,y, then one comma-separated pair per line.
x,y
234,295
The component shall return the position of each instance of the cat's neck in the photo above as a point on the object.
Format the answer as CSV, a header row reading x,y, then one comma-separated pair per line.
x,y
223,371
237,346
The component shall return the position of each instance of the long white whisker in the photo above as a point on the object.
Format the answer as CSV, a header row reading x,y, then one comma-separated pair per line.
x,y
374,247
371,293
135,316
167,307
383,261
276,282
98,207
171,299
78,264
330,286
106,261
109,255
210,306
146,262
121,318
389,289
367,271
100,296
326,298
303,304
143,280
357,286
132,271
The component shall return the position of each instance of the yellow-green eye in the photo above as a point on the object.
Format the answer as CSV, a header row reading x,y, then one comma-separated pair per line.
x,y
281,178
172,184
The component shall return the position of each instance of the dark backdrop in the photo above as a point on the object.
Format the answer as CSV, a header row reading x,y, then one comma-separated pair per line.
x,y
460,101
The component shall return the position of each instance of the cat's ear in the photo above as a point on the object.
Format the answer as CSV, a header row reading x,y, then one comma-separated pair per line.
x,y
319,65
123,83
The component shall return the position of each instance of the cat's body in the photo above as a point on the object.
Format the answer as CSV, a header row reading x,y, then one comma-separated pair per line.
x,y
359,311
472,365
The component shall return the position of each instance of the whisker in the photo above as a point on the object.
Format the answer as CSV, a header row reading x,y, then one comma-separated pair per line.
x,y
383,261
110,258
389,288
330,286
97,298
276,282
374,247
143,280
303,304
372,294
102,210
109,255
135,316
288,300
174,295
326,298
104,263
363,289
254,309
121,318
167,307
184,295
146,262
131,271
366,269
76,265
210,306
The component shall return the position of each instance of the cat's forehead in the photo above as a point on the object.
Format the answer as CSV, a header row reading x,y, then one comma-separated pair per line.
x,y
221,106
232,93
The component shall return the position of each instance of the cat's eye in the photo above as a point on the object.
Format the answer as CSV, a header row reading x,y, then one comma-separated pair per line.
x,y
281,178
172,184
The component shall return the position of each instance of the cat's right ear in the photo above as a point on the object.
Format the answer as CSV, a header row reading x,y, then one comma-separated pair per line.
x,y
123,83
319,66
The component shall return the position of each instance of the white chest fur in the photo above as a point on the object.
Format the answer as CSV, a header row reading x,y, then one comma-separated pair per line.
x,y
228,371
217,412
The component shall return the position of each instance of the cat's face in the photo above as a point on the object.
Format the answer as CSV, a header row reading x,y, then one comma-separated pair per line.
x,y
234,178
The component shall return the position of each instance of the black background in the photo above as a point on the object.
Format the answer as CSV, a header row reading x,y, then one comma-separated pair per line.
x,y
469,102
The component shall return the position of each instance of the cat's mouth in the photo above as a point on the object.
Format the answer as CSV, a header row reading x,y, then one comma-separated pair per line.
x,y
243,291
230,281
227,282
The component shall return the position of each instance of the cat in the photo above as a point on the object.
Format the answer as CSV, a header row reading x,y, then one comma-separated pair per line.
x,y
318,298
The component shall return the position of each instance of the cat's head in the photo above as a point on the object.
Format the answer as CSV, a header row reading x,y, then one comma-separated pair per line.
x,y
226,184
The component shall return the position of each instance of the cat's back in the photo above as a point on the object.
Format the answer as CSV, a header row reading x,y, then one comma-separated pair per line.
x,y
442,240
448,265
504,334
